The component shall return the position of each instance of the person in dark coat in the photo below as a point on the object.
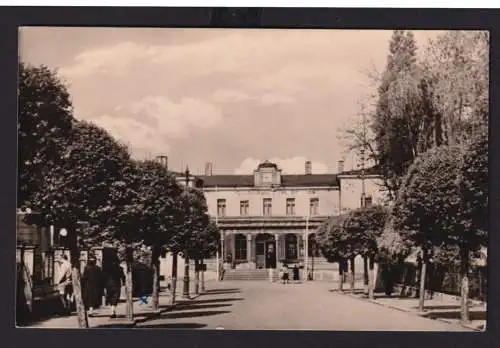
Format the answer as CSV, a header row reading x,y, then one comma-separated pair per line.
x,y
92,287
114,277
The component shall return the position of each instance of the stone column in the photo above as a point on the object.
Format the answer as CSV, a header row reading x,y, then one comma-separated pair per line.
x,y
250,262
276,250
233,245
222,247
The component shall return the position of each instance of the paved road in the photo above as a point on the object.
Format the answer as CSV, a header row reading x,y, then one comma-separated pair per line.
x,y
257,305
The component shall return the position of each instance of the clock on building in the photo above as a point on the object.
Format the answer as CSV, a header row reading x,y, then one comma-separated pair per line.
x,y
267,177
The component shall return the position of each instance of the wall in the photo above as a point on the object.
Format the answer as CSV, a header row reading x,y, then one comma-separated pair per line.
x,y
328,200
351,188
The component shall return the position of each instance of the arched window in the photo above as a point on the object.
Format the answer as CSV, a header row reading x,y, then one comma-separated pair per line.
x,y
240,247
291,246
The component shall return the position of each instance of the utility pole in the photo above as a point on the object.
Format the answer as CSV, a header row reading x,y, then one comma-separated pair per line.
x,y
362,158
185,293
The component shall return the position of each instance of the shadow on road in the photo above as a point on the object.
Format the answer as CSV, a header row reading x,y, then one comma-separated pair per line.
x,y
222,291
214,300
188,306
178,315
172,326
474,315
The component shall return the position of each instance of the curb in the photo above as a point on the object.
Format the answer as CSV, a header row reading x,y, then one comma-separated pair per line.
x,y
422,315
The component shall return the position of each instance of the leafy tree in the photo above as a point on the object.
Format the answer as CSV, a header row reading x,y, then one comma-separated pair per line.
x,y
334,243
191,217
158,195
363,226
458,64
205,245
77,189
45,121
472,230
426,210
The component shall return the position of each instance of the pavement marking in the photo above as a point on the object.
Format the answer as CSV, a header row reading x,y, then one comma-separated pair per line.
x,y
219,328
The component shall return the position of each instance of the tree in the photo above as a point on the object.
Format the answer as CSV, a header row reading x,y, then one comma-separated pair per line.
x,y
205,245
334,243
190,218
77,189
426,210
45,121
364,226
472,230
158,195
458,64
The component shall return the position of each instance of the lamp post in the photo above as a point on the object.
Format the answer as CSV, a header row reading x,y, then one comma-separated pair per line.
x,y
185,293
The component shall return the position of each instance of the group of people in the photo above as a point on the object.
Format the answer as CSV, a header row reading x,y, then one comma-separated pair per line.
x,y
285,274
95,283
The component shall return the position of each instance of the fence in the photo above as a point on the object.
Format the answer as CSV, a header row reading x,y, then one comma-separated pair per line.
x,y
443,279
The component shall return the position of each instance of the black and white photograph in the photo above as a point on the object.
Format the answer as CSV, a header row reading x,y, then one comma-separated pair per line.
x,y
252,179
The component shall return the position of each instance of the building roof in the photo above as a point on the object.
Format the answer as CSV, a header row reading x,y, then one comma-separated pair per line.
x,y
368,171
267,164
286,180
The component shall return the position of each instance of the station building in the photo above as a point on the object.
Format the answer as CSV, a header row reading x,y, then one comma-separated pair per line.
x,y
269,218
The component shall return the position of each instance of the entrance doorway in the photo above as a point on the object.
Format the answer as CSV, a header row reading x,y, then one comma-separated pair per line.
x,y
265,251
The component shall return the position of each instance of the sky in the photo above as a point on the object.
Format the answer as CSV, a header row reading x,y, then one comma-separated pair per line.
x,y
232,97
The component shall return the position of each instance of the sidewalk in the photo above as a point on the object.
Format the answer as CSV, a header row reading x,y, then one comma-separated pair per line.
x,y
443,309
142,312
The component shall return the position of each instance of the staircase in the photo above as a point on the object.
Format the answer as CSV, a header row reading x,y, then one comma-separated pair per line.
x,y
250,274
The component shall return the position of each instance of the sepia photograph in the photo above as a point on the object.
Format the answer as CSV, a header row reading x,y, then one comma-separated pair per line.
x,y
252,179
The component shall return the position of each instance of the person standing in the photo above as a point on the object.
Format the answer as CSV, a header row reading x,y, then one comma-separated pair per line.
x,y
92,286
114,277
64,283
285,275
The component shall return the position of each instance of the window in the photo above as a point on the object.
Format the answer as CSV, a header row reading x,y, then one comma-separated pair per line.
x,y
267,206
314,206
240,247
221,207
368,201
244,208
290,206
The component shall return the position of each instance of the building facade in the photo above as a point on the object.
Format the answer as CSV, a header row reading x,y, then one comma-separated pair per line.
x,y
268,218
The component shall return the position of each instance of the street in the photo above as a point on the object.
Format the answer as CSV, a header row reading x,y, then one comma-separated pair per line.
x,y
256,305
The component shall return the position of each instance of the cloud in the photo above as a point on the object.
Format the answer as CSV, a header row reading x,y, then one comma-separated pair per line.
x,y
293,165
227,96
107,60
230,96
151,123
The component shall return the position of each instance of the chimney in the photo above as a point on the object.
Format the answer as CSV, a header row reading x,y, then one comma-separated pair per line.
x,y
341,166
163,160
308,168
208,169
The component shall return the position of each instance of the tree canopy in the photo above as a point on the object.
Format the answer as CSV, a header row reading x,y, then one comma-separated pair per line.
x,y
45,121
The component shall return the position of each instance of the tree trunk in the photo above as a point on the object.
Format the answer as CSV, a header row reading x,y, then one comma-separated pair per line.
x,y
77,293
155,263
371,279
128,288
353,280
365,274
185,290
422,284
202,276
174,278
76,281
341,275
464,286
196,276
